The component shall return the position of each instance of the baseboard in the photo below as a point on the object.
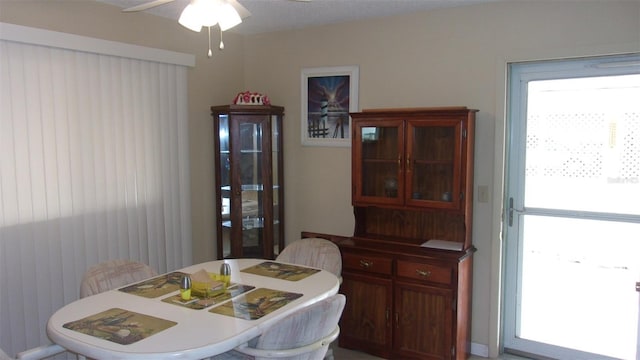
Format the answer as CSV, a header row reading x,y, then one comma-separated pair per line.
x,y
479,350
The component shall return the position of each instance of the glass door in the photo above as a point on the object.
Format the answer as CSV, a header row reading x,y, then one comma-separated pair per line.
x,y
433,163
250,186
379,173
224,173
277,186
573,219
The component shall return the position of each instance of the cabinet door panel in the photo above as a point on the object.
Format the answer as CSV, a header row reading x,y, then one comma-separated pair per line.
x,y
366,319
433,165
251,172
379,149
423,321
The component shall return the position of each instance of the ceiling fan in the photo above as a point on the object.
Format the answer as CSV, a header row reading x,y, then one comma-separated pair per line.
x,y
198,13
236,5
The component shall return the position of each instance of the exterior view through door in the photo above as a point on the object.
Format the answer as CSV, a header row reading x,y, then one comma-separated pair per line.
x,y
572,219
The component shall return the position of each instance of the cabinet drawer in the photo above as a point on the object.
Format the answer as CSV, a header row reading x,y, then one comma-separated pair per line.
x,y
373,264
425,272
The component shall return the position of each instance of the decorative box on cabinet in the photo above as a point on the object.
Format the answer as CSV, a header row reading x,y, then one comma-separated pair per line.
x,y
412,181
249,180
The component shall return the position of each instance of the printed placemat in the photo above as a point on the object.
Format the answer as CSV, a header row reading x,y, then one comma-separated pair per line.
x,y
281,271
199,303
120,326
157,286
255,304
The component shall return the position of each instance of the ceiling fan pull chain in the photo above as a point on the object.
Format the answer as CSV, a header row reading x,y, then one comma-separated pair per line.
x,y
209,54
221,46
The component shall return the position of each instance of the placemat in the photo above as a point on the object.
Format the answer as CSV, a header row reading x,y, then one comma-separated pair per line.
x,y
120,326
199,303
157,286
255,304
281,271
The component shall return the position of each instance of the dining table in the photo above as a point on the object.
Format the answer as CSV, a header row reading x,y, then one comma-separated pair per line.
x,y
151,320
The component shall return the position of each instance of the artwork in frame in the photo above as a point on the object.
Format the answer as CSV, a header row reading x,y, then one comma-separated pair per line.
x,y
329,94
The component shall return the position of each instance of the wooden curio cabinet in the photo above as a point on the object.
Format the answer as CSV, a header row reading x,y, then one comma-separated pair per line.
x,y
249,173
407,269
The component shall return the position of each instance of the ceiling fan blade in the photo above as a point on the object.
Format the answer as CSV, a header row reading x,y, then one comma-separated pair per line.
x,y
146,6
242,11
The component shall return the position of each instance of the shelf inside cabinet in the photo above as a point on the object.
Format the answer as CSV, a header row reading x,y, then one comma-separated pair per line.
x,y
434,162
249,223
247,187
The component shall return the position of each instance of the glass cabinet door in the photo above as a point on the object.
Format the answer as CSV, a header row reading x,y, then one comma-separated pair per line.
x,y
224,171
276,169
249,190
433,165
378,170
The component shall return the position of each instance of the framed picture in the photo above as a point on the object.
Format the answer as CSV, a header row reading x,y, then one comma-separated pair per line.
x,y
328,95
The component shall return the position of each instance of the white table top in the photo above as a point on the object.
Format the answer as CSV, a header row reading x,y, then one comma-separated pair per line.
x,y
198,333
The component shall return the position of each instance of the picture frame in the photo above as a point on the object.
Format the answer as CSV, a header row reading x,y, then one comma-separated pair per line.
x,y
329,94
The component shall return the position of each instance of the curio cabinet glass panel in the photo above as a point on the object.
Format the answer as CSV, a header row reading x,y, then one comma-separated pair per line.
x,y
249,189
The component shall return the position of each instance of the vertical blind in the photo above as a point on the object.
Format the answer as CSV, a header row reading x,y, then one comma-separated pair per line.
x,y
93,166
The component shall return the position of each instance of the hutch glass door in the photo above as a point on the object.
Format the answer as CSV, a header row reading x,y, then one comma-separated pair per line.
x,y
433,173
380,162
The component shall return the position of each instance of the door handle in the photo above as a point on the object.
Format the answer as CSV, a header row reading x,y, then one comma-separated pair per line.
x,y
511,211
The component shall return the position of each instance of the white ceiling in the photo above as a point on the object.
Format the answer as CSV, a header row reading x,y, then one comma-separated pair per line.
x,y
277,15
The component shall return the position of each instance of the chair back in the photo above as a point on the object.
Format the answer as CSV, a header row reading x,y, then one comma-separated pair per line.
x,y
4,356
314,252
113,274
304,327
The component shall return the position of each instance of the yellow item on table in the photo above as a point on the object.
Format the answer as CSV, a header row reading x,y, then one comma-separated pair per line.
x,y
205,284
185,294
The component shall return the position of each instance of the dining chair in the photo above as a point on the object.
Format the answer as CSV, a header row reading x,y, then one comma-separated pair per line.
x,y
112,274
40,352
302,335
3,355
314,252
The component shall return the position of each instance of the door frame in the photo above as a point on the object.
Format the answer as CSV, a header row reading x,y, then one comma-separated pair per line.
x,y
516,89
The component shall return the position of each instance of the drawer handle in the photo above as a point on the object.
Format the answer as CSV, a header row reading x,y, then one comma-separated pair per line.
x,y
366,263
423,273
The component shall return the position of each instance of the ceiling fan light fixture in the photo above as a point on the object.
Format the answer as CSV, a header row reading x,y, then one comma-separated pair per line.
x,y
190,18
209,11
228,17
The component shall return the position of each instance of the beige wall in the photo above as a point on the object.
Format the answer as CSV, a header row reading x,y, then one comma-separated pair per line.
x,y
441,58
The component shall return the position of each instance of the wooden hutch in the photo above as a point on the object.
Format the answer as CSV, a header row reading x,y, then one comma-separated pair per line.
x,y
407,270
